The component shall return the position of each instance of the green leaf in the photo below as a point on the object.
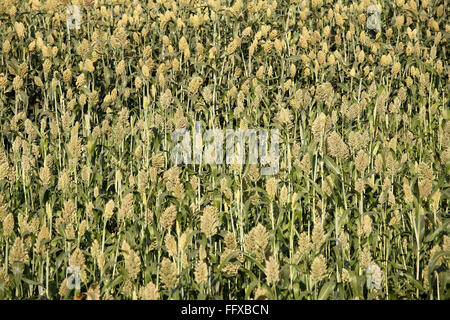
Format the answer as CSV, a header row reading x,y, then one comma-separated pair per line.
x,y
431,237
412,280
35,283
326,290
332,165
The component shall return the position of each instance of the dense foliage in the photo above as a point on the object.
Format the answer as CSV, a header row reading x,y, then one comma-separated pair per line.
x,y
358,209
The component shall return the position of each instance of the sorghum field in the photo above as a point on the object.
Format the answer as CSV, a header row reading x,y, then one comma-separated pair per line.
x,y
357,210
